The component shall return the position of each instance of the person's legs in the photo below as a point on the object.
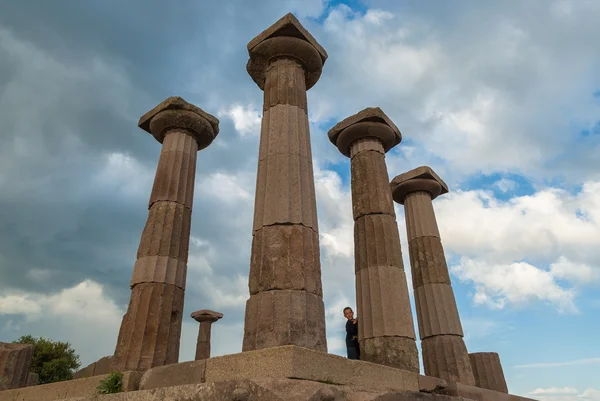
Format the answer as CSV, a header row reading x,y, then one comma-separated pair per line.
x,y
353,352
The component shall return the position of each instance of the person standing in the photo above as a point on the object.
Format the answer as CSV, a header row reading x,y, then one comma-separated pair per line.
x,y
352,346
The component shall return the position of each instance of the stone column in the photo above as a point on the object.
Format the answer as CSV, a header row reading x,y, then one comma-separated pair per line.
x,y
150,331
15,362
444,351
206,318
385,325
487,371
286,301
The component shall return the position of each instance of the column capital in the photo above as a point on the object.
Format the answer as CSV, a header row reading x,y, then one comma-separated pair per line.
x,y
371,122
206,315
419,179
174,113
286,38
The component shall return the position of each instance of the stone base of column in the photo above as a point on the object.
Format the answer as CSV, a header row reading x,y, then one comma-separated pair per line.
x,y
158,344
487,371
15,361
284,317
397,352
446,357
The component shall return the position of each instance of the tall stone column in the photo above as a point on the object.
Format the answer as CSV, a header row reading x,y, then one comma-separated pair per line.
x,y
206,318
151,328
286,301
488,372
444,351
385,325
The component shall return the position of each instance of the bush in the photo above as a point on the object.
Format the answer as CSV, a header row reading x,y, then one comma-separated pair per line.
x,y
112,384
53,361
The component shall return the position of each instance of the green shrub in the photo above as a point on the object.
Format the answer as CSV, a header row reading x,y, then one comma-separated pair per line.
x,y
112,384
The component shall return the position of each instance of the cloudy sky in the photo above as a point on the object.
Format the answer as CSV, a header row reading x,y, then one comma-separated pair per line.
x,y
502,99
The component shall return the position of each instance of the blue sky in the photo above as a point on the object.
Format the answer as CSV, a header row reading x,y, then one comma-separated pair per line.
x,y
501,99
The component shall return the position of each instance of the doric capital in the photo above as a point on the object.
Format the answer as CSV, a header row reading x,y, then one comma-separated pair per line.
x,y
420,179
286,38
368,123
174,113
206,315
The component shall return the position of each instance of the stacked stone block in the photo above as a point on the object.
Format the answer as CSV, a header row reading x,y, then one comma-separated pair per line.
x,y
488,372
15,363
286,299
385,325
151,328
443,349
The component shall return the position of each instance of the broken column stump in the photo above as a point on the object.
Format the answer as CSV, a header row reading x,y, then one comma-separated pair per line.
x,y
15,363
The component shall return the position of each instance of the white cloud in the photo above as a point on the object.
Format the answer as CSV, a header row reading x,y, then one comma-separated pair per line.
x,y
246,119
505,185
554,390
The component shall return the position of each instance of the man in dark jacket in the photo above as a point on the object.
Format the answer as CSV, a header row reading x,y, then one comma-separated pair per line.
x,y
351,334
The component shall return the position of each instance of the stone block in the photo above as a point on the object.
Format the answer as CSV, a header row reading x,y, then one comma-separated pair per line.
x,y
377,242
32,379
15,362
366,145
423,172
147,339
175,374
436,311
370,189
101,367
371,115
284,130
428,262
167,231
430,384
446,357
285,192
79,389
305,364
488,372
478,394
159,269
174,180
383,303
285,257
397,352
176,103
285,85
283,317
420,216
288,25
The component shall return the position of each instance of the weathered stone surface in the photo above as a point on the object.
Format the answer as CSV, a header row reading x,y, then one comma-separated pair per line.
x,y
15,362
284,130
430,384
167,231
305,364
488,372
478,394
285,258
159,269
206,315
175,374
285,317
370,189
366,145
420,216
376,242
174,180
286,306
287,38
176,105
79,389
428,262
285,85
151,328
369,115
383,307
101,367
421,175
397,352
437,313
446,357
285,192
32,379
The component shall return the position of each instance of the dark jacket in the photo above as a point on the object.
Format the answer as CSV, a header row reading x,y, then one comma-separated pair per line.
x,y
351,333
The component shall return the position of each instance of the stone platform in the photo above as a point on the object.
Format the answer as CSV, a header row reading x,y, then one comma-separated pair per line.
x,y
281,373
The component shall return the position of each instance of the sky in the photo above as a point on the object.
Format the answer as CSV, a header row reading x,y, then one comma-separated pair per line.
x,y
501,99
